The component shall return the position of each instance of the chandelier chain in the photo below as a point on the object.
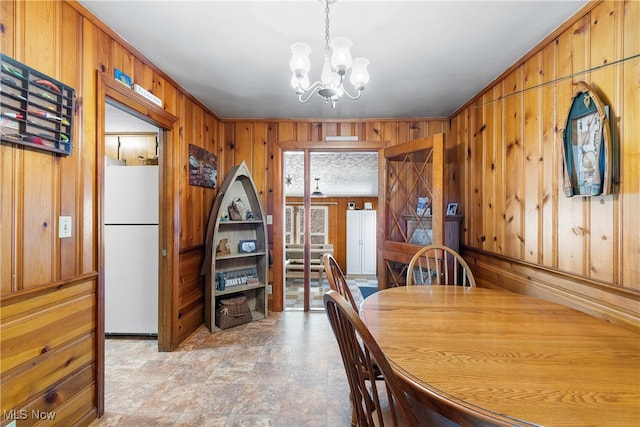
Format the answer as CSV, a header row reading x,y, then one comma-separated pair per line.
x,y
326,28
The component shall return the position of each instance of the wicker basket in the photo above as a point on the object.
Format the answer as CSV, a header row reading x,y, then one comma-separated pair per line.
x,y
233,311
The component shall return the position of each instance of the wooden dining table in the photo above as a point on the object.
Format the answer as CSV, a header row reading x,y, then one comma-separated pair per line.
x,y
492,357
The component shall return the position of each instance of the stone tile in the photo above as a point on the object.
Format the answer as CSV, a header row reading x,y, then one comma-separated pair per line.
x,y
284,370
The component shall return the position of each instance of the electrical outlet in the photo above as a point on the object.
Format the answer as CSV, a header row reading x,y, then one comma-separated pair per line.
x,y
64,227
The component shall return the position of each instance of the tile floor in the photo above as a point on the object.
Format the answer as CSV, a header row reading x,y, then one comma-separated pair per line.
x,y
284,370
294,292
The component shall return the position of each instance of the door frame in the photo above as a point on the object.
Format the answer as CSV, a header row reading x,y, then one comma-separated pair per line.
x,y
168,263
279,201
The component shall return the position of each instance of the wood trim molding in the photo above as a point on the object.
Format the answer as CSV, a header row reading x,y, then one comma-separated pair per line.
x,y
15,297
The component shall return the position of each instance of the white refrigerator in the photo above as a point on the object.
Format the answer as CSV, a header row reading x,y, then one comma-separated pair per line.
x,y
131,198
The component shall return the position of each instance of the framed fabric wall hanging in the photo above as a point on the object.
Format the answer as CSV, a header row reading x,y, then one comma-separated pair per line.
x,y
586,147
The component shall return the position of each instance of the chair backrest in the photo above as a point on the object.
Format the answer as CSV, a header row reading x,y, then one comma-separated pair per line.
x,y
337,280
361,356
439,265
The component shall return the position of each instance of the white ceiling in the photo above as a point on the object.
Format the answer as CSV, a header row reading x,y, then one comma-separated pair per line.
x,y
427,57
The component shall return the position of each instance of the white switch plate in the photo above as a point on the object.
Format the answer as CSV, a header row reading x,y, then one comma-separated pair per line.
x,y
64,227
269,219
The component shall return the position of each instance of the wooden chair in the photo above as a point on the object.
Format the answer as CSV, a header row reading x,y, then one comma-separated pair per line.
x,y
374,403
337,280
439,265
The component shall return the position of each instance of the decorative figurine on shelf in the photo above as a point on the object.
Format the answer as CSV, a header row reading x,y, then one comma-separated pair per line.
x,y
234,211
224,217
249,215
223,248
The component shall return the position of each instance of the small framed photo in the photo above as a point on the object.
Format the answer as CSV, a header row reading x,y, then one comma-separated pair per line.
x,y
247,246
452,208
421,206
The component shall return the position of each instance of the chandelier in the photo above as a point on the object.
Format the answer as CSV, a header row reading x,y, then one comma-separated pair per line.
x,y
337,60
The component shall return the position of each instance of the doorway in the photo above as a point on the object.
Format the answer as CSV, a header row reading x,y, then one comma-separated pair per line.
x,y
326,181
109,90
131,234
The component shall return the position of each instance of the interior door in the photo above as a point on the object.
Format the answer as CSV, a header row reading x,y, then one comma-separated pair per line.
x,y
408,173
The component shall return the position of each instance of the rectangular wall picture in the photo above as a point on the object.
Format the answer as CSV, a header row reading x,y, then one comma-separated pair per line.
x,y
203,167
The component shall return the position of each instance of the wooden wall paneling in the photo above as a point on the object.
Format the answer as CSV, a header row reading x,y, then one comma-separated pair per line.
x,y
96,51
272,179
123,60
51,368
39,222
551,146
571,227
186,198
347,129
630,151
373,131
285,131
72,401
191,292
603,210
472,207
390,132
316,134
212,144
501,177
487,183
42,50
465,134
514,166
142,74
532,141
416,131
39,191
260,157
8,211
229,146
329,129
9,18
38,354
462,165
198,217
70,201
243,144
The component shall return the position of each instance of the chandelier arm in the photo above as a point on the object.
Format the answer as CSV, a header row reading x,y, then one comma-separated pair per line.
x,y
344,90
313,89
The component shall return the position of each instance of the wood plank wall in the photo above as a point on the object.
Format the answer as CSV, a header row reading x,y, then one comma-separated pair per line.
x,y
516,217
591,244
54,282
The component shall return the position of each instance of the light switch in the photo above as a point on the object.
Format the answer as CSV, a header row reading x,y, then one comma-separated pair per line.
x,y
64,227
269,219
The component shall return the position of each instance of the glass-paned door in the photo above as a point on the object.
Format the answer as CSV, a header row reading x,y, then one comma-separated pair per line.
x,y
319,227
413,197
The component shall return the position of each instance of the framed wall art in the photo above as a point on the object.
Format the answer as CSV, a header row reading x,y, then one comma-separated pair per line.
x,y
203,167
586,146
